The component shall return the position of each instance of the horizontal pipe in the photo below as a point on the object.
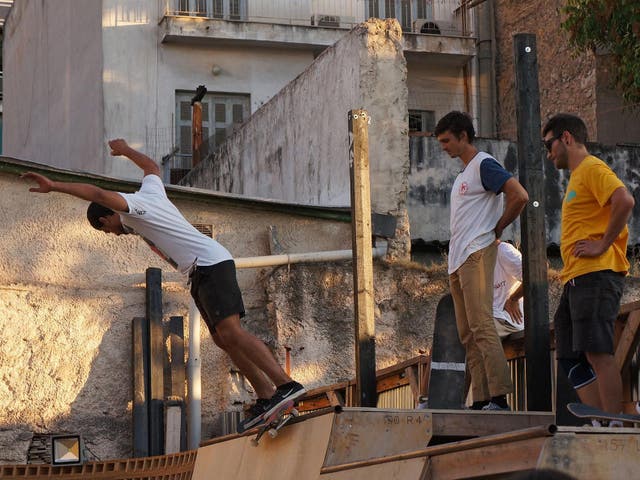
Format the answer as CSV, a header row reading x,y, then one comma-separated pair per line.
x,y
286,259
524,434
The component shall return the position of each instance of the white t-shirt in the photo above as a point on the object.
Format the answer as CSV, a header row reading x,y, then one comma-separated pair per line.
x,y
507,277
475,212
152,216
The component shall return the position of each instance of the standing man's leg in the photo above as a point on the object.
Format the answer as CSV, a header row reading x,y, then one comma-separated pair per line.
x,y
475,363
476,280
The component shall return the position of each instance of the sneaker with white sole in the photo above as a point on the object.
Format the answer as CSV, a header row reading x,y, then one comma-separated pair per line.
x,y
254,415
495,407
284,393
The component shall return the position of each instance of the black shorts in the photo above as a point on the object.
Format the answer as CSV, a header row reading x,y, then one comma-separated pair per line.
x,y
585,318
216,293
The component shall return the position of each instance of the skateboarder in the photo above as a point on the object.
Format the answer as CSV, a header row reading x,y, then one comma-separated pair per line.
x,y
593,241
210,267
479,214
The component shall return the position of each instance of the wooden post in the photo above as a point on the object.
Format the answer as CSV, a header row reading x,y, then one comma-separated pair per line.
x,y
534,241
156,362
366,394
140,355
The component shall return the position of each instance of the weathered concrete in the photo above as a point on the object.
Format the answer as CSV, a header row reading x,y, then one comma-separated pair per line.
x,y
304,158
432,173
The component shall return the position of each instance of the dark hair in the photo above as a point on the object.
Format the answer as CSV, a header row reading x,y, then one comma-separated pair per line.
x,y
95,211
566,122
456,123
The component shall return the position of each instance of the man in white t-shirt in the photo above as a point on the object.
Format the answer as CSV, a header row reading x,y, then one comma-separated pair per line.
x,y
479,214
211,269
508,290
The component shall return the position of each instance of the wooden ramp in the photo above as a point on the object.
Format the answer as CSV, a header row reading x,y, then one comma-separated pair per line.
x,y
377,444
356,443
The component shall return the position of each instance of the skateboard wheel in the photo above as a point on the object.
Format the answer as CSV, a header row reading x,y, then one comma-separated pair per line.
x,y
295,412
273,433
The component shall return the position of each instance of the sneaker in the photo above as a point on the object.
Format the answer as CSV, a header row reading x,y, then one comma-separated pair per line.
x,y
479,405
254,415
495,406
284,393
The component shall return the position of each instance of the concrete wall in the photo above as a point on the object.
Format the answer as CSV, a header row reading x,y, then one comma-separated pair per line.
x,y
295,147
68,294
432,174
53,105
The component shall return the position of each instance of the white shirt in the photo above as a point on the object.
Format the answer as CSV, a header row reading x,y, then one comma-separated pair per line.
x,y
474,213
507,277
152,216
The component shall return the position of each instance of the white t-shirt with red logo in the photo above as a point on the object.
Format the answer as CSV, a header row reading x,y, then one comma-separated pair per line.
x,y
476,207
152,216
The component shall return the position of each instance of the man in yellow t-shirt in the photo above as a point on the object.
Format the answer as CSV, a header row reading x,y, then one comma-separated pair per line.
x,y
593,244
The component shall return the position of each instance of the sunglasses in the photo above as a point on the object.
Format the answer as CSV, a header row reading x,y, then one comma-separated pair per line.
x,y
549,143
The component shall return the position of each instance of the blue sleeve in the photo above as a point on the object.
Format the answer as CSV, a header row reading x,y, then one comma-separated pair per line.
x,y
493,175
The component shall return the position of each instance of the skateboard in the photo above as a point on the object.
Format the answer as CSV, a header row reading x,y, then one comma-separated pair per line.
x,y
274,422
447,377
581,410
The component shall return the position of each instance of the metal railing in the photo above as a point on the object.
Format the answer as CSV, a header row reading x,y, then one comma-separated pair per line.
x,y
426,17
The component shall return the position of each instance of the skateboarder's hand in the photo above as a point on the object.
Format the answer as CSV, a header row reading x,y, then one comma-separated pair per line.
x,y
44,184
589,248
512,307
119,147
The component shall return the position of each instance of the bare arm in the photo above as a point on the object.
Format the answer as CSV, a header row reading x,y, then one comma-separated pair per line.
x,y
622,204
516,199
512,305
120,147
85,191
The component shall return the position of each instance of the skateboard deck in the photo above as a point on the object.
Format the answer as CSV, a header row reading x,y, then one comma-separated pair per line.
x,y
581,410
274,422
447,377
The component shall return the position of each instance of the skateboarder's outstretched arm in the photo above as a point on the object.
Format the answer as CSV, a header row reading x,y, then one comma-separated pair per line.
x,y
120,147
85,191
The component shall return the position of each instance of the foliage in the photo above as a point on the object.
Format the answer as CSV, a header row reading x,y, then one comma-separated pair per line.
x,y
613,26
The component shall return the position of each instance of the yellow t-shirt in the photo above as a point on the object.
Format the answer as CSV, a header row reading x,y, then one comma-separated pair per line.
x,y
585,216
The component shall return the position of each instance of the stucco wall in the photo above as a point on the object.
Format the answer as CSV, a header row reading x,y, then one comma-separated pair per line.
x,y
295,147
68,294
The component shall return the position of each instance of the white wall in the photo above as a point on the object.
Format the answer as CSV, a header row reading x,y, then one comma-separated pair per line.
x,y
53,106
140,82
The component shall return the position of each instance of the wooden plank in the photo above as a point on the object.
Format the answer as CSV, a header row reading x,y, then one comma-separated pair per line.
x,y
628,341
365,352
412,375
629,307
178,375
335,399
534,253
140,357
472,423
173,428
488,460
156,361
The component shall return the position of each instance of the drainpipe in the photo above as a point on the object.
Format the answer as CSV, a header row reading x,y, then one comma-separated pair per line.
x,y
194,391
486,75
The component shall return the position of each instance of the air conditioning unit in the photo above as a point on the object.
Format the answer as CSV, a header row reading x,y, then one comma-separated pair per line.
x,y
322,20
424,25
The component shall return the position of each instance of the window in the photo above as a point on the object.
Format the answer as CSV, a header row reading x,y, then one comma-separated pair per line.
x,y
221,113
421,122
406,11
223,9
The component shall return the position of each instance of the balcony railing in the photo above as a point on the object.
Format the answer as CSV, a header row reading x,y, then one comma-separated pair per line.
x,y
425,17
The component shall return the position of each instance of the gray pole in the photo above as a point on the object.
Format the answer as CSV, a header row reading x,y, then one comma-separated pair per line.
x,y
530,169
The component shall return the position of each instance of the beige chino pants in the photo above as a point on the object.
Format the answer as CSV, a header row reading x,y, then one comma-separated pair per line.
x,y
472,291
